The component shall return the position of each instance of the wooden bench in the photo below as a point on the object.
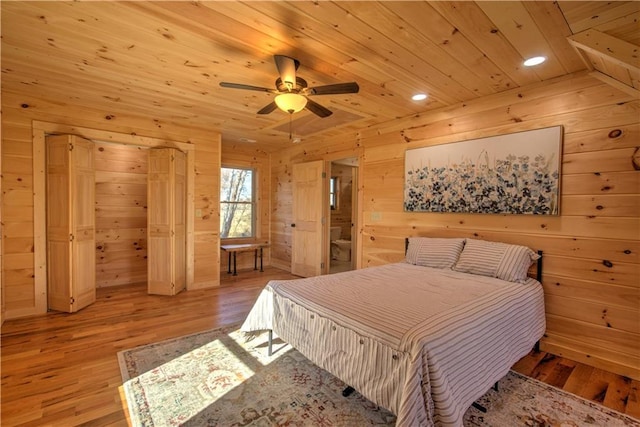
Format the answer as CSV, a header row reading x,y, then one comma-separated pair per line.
x,y
244,247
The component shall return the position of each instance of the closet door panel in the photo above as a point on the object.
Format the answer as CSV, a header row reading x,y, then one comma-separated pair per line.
x,y
70,223
179,223
166,252
58,224
84,244
159,265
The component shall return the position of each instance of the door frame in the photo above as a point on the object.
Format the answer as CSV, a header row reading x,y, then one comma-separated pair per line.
x,y
40,131
356,213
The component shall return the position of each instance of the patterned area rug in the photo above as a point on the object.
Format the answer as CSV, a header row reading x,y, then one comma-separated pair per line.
x,y
217,378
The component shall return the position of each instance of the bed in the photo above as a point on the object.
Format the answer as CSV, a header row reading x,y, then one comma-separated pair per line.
x,y
423,338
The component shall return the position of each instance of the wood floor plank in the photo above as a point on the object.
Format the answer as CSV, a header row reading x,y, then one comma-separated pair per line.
x,y
560,373
633,400
617,392
578,379
544,369
526,365
62,369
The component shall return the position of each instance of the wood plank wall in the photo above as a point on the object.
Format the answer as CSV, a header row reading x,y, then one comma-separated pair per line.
x,y
207,200
17,213
241,156
2,299
591,264
121,213
22,298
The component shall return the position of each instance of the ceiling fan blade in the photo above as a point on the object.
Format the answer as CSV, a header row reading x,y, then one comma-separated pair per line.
x,y
318,109
268,108
246,87
334,89
287,67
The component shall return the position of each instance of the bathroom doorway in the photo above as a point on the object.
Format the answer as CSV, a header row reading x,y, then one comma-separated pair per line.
x,y
343,175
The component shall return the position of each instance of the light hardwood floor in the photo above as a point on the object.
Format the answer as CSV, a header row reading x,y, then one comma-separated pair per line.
x,y
61,369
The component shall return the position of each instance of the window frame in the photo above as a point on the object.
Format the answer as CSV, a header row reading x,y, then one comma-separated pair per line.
x,y
253,203
334,182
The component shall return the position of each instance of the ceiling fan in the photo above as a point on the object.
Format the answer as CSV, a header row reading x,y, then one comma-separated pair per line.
x,y
292,92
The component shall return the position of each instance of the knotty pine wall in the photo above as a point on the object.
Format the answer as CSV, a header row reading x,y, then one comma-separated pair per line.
x,y
239,156
121,214
23,296
2,306
591,264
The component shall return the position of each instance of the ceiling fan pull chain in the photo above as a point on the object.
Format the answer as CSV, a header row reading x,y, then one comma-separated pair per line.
x,y
290,137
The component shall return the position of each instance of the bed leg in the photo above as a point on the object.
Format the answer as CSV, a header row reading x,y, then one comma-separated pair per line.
x,y
536,347
479,407
347,391
270,349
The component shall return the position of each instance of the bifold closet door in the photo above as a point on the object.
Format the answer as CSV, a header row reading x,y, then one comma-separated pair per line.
x,y
71,258
166,209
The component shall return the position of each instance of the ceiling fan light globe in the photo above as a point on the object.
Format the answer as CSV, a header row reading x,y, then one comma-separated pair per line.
x,y
291,102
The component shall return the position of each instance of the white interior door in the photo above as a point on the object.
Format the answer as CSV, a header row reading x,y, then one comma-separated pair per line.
x,y
71,266
307,241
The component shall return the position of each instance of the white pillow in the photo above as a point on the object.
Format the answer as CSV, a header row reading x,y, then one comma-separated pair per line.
x,y
494,259
433,252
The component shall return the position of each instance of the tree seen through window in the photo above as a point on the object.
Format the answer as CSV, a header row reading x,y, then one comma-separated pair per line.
x,y
236,203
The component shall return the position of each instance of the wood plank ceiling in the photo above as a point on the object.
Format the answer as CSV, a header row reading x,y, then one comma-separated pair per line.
x,y
165,59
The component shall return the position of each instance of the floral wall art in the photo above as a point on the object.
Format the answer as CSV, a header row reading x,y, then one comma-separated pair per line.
x,y
517,173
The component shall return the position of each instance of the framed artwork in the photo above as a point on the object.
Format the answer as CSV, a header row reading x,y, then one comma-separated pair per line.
x,y
517,173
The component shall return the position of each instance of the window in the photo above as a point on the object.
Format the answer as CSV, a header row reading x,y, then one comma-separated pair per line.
x,y
237,206
334,185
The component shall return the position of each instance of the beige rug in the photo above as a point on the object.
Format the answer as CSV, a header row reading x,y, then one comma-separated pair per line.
x,y
215,378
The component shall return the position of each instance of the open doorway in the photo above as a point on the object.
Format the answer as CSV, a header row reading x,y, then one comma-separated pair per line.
x,y
98,229
342,198
120,213
41,131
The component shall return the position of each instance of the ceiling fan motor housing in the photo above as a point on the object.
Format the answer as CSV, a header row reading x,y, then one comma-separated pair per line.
x,y
282,86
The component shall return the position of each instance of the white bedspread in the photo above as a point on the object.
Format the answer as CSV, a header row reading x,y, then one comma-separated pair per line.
x,y
424,343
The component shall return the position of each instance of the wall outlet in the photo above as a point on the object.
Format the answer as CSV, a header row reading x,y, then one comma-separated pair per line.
x,y
198,213
376,216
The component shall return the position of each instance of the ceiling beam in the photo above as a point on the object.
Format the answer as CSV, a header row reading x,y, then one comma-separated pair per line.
x,y
616,83
607,48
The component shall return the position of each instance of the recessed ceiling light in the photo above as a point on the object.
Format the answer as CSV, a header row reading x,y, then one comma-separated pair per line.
x,y
247,140
536,60
419,96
